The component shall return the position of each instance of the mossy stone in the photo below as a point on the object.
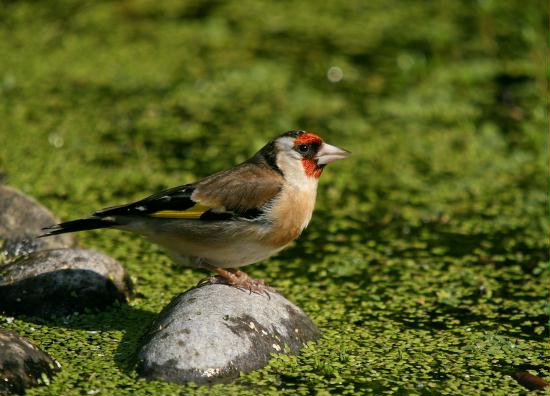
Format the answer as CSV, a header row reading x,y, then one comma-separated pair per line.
x,y
212,333
21,221
23,365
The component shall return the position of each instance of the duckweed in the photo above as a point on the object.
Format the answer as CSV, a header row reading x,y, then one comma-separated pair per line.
x,y
426,262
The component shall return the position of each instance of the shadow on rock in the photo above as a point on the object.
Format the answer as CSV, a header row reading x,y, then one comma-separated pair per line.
x,y
59,282
59,293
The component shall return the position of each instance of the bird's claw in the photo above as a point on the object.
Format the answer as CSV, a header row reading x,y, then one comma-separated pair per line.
x,y
242,281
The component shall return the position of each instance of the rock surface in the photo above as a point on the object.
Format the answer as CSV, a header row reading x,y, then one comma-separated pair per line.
x,y
22,365
21,219
211,333
61,281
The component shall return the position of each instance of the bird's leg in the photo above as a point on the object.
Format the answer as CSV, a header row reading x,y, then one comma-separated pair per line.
x,y
238,279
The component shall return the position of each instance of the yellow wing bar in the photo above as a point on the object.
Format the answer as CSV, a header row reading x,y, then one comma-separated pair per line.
x,y
193,212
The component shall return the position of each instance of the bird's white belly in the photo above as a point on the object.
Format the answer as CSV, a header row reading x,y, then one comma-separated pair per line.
x,y
224,245
232,255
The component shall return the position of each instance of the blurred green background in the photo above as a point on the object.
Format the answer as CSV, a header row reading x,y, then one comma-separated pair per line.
x,y
426,262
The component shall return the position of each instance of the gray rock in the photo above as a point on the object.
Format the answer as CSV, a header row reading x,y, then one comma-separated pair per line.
x,y
61,281
211,333
21,219
22,365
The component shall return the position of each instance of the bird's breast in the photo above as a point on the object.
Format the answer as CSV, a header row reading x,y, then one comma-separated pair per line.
x,y
290,213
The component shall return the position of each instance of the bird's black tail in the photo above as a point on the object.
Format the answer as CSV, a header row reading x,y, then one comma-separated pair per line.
x,y
90,223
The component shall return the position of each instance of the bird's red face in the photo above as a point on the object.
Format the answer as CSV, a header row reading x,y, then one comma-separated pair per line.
x,y
316,154
307,144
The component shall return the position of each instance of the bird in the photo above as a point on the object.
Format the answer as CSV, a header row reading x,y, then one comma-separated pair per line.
x,y
231,218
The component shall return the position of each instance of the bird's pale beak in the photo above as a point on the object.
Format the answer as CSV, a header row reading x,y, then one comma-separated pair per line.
x,y
328,153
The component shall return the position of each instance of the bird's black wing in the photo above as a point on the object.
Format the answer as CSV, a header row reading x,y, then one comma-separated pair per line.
x,y
240,192
176,199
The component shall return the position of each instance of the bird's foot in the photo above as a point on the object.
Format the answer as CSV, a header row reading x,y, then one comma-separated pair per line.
x,y
240,280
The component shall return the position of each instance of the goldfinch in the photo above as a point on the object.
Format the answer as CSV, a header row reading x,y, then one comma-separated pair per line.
x,y
232,218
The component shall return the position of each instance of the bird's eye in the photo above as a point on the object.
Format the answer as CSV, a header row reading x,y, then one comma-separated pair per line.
x,y
303,148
